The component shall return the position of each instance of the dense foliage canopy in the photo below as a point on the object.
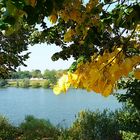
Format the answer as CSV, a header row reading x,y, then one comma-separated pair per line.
x,y
102,36
11,48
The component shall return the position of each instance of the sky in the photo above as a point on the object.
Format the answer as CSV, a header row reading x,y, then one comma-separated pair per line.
x,y
40,58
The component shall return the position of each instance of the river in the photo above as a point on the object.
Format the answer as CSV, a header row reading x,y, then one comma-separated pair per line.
x,y
16,103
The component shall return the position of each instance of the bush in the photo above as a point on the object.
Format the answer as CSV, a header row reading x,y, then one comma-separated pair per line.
x,y
37,129
46,84
17,84
35,84
130,136
7,131
3,83
94,126
119,125
25,83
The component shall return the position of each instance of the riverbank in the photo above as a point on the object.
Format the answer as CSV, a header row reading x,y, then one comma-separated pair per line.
x,y
26,83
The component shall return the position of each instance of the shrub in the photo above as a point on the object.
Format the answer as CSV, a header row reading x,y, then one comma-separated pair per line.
x,y
17,84
130,136
37,129
35,84
3,83
94,126
46,84
25,83
7,131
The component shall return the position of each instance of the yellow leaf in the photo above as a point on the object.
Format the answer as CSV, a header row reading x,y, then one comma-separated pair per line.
x,y
108,90
53,18
62,85
64,15
72,77
31,2
95,87
101,84
124,69
68,35
138,28
62,80
57,90
128,64
94,73
115,67
136,59
75,15
137,74
88,7
117,75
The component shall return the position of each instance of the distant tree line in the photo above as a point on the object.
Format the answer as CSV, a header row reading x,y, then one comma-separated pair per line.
x,y
34,78
51,75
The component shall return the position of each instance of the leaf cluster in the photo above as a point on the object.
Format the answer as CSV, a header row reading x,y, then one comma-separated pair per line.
x,y
132,95
11,48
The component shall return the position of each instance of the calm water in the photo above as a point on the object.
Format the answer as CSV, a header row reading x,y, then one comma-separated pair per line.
x,y
16,103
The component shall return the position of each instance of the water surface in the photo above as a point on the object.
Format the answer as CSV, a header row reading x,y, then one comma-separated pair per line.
x,y
16,103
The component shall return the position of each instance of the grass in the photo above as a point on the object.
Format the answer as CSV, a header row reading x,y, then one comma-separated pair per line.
x,y
32,83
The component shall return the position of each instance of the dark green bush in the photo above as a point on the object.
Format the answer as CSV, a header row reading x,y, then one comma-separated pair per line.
x,y
37,129
7,131
94,126
3,83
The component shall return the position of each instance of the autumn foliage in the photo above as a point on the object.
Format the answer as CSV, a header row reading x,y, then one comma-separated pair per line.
x,y
102,36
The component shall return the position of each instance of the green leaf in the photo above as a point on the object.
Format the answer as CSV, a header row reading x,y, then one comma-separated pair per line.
x,y
9,31
11,8
119,19
10,19
3,25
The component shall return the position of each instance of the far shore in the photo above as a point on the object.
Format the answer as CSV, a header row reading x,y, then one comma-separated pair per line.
x,y
33,82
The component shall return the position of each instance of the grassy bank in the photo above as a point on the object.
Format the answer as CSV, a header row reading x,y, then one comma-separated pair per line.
x,y
25,83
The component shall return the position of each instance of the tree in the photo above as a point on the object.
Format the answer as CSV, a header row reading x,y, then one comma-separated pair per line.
x,y
132,96
3,83
21,75
130,115
36,74
46,84
103,37
11,48
25,83
50,75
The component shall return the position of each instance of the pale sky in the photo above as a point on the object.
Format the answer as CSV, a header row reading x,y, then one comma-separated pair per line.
x,y
40,58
